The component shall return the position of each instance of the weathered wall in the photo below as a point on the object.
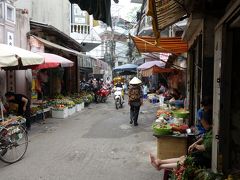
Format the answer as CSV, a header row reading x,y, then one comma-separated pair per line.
x,y
52,12
216,98
1,34
2,83
208,55
22,27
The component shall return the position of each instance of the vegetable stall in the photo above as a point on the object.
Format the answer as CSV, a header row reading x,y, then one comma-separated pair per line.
x,y
170,129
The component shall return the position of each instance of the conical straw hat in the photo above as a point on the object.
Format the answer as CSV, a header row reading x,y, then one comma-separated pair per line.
x,y
135,80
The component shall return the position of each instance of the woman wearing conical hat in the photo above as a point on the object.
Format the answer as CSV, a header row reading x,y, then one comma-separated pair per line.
x,y
135,99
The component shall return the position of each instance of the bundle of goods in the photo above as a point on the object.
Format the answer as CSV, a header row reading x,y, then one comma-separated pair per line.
x,y
162,112
179,128
161,127
153,98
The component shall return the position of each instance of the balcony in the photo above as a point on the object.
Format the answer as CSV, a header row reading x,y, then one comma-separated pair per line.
x,y
80,28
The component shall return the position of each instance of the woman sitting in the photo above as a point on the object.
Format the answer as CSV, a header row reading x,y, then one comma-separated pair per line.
x,y
201,150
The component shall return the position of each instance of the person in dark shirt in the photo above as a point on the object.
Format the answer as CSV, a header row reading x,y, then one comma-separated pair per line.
x,y
135,99
23,106
206,104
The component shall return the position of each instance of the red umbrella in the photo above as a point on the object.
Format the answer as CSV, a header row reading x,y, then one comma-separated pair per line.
x,y
53,61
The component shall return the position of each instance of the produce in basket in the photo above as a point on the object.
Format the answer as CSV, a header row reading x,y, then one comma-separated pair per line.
x,y
163,112
181,128
180,113
161,129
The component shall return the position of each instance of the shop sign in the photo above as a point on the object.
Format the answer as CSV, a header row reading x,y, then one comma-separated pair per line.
x,y
10,74
10,38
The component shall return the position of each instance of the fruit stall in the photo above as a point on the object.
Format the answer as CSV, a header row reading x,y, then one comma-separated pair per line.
x,y
63,107
60,106
171,131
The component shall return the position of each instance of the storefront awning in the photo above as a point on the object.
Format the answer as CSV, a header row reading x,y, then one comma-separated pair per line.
x,y
155,70
147,44
165,13
53,45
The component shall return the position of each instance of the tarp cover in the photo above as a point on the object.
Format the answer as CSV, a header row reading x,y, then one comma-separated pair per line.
x,y
165,13
147,44
9,56
100,9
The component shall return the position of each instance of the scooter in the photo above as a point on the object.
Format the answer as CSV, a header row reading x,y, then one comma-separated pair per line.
x,y
102,94
118,97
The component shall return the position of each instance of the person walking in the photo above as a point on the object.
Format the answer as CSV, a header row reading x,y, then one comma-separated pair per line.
x,y
135,99
23,106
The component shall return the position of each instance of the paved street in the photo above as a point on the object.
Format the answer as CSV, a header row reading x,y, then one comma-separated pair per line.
x,y
95,144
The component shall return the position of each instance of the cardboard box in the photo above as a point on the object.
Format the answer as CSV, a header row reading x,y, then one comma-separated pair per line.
x,y
171,147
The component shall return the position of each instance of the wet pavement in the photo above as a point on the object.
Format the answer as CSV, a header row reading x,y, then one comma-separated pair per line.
x,y
95,144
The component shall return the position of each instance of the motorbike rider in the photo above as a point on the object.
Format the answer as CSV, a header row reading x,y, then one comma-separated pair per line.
x,y
120,85
96,87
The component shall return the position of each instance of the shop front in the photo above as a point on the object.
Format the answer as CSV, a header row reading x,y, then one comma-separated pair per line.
x,y
226,89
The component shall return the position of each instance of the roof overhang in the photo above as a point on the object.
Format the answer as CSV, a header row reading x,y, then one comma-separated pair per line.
x,y
173,45
43,30
193,29
88,46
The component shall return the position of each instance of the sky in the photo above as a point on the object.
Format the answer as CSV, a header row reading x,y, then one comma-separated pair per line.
x,y
124,9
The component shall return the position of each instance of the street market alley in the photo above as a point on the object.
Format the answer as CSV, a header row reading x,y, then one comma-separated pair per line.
x,y
95,144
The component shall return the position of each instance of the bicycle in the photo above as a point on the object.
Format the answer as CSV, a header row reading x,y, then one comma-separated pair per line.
x,y
13,140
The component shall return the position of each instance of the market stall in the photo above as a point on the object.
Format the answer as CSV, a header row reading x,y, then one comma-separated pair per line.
x,y
171,131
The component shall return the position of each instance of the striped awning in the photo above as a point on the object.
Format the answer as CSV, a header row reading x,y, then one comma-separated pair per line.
x,y
173,45
165,13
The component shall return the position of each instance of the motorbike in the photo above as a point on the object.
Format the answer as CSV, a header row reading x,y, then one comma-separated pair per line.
x,y
86,87
118,97
102,94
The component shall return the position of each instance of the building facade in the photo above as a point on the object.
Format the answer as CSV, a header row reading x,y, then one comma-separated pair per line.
x,y
14,25
53,12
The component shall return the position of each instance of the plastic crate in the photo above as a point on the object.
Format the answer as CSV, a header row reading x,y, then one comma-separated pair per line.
x,y
78,107
60,114
71,111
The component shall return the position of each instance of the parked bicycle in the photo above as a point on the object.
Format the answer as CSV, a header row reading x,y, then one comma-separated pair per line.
x,y
13,141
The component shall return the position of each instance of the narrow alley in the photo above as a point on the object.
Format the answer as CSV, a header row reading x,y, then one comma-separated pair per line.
x,y
95,144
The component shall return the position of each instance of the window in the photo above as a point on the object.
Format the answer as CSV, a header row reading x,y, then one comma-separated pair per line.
x,y
10,13
1,10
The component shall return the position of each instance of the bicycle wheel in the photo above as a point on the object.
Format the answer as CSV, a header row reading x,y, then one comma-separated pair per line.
x,y
14,144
